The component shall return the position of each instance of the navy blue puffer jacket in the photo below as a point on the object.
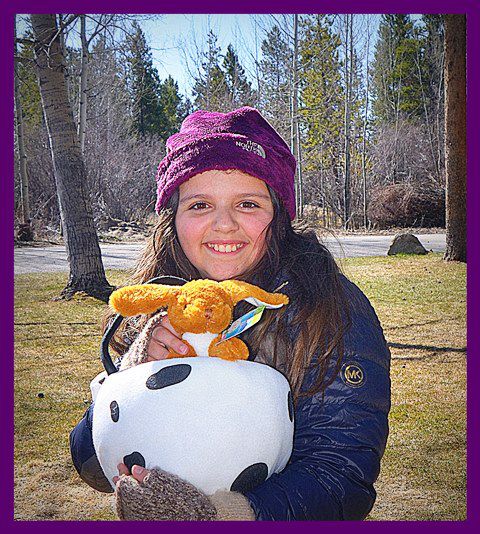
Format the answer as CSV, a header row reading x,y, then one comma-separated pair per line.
x,y
339,439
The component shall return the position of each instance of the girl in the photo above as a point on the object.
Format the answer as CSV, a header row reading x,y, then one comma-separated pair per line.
x,y
225,203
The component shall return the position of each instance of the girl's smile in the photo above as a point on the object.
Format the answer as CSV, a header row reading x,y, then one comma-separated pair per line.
x,y
221,222
225,247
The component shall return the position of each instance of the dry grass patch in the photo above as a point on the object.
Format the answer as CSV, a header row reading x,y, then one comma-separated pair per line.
x,y
421,303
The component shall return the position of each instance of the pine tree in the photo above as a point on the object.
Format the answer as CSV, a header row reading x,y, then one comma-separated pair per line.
x,y
433,59
211,89
432,69
322,108
172,112
144,84
276,75
239,88
396,84
29,91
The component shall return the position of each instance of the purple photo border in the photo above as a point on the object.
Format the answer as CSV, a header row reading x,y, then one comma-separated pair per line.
x,y
472,8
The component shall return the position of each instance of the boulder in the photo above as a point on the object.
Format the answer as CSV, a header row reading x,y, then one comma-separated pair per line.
x,y
406,244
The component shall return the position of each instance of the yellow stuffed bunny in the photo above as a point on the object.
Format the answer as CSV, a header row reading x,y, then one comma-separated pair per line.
x,y
199,311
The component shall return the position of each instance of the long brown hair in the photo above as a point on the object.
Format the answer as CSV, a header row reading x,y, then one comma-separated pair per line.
x,y
307,335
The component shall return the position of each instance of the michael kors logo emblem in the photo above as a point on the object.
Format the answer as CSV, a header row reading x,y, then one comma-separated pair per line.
x,y
353,375
250,146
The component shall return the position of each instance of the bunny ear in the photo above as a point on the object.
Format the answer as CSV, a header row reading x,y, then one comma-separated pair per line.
x,y
253,294
146,298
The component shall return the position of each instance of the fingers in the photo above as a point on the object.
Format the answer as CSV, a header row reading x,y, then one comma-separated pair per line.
x,y
164,338
122,470
156,350
165,322
138,472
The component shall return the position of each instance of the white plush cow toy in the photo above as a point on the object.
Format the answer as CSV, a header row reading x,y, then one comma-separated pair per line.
x,y
218,423
215,423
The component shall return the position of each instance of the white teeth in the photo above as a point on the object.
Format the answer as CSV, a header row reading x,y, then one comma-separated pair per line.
x,y
225,248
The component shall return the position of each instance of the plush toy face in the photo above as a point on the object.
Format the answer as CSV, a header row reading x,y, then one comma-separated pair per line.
x,y
216,424
198,309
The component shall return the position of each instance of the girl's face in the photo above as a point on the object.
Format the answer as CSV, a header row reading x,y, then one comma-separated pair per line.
x,y
221,222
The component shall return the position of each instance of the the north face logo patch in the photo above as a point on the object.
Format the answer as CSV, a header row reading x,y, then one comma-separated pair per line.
x,y
250,146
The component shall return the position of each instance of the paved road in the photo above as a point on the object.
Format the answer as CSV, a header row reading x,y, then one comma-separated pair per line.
x,y
122,256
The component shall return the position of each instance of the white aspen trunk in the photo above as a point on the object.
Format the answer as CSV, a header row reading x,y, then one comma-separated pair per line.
x,y
83,251
348,89
82,111
22,156
364,140
295,142
300,172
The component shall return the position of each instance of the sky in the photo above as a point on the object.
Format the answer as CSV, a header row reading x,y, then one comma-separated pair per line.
x,y
177,41
171,36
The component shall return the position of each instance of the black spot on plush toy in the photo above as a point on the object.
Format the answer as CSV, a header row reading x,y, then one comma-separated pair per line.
x,y
217,422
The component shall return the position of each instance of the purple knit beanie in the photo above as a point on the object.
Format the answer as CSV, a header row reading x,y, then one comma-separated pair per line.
x,y
241,139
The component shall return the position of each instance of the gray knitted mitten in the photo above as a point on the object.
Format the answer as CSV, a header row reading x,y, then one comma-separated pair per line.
x,y
161,497
138,351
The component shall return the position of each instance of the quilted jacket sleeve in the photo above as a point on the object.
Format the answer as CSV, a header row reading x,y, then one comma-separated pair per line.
x,y
340,438
84,456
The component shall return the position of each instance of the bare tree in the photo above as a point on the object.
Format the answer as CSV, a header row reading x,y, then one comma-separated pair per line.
x,y
295,130
22,156
455,137
364,129
86,269
347,122
82,109
105,24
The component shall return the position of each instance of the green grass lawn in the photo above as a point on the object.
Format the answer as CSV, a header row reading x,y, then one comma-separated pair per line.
x,y
421,302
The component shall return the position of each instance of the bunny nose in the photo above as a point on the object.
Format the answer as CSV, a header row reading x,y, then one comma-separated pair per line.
x,y
208,313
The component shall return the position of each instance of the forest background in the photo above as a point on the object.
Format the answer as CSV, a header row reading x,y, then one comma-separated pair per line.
x,y
359,98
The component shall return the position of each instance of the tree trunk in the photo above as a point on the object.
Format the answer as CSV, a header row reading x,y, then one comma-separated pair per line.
x,y
83,251
455,137
22,157
364,140
82,111
347,125
295,139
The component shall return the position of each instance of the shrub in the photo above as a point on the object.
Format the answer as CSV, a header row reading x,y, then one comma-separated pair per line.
x,y
404,206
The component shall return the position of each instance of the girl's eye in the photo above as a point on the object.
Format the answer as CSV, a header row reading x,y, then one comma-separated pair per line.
x,y
199,206
248,204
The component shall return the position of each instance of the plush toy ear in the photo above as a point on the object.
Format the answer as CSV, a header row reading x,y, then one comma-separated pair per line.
x,y
239,290
146,298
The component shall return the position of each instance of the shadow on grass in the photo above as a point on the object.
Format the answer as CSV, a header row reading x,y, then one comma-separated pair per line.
x,y
430,348
411,325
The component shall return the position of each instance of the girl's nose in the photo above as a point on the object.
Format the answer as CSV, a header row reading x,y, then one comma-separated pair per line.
x,y
225,221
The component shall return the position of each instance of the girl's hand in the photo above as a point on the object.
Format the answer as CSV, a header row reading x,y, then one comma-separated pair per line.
x,y
153,495
164,338
138,472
